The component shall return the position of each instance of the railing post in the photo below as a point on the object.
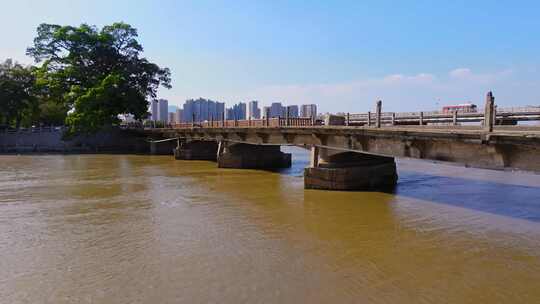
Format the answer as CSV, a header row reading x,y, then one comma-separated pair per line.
x,y
223,119
348,121
495,115
393,118
193,120
369,119
378,111
488,112
421,118
314,157
454,118
287,122
267,117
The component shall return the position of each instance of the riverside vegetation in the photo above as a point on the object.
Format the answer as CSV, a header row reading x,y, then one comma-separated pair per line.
x,y
84,78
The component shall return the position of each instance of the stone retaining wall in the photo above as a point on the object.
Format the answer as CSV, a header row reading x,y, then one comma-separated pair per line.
x,y
110,141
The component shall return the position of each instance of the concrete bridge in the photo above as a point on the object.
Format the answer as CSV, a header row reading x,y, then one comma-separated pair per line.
x,y
353,157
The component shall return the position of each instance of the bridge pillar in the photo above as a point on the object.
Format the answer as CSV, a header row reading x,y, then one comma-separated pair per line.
x,y
347,171
246,156
162,148
196,150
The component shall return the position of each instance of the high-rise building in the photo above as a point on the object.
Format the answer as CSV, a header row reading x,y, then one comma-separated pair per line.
x,y
277,110
179,117
163,112
229,114
241,110
154,110
254,112
202,110
309,110
265,112
171,118
292,110
238,112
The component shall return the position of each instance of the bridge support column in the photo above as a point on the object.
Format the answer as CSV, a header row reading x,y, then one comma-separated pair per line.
x,y
246,156
162,148
196,150
348,171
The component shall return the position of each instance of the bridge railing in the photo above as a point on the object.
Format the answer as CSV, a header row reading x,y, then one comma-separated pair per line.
x,y
249,123
519,110
501,115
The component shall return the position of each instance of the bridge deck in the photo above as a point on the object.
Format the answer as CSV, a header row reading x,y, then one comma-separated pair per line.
x,y
518,131
505,147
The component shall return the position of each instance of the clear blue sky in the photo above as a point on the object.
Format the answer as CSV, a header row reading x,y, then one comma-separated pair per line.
x,y
342,55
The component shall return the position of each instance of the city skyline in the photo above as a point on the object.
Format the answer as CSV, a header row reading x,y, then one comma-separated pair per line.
x,y
207,109
450,58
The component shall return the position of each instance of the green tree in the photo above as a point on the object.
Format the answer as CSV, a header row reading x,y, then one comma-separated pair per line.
x,y
18,102
96,73
52,113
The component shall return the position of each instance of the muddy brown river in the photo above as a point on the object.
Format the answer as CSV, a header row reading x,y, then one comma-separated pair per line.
x,y
149,229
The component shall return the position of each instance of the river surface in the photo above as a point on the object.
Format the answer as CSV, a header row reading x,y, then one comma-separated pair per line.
x,y
149,229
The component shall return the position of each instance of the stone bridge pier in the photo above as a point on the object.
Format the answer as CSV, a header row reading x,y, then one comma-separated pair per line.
x,y
196,150
162,148
248,156
339,170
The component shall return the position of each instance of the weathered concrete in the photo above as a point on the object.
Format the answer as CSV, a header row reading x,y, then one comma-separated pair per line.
x,y
505,147
52,140
162,148
348,171
245,156
334,120
378,111
489,112
363,152
196,150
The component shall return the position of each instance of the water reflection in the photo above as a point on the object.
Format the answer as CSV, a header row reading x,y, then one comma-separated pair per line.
x,y
503,199
503,193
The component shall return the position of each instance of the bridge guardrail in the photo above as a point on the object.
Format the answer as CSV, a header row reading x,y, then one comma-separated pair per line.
x,y
502,115
248,123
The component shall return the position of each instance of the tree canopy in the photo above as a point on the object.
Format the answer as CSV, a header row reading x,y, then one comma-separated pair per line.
x,y
96,73
17,96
